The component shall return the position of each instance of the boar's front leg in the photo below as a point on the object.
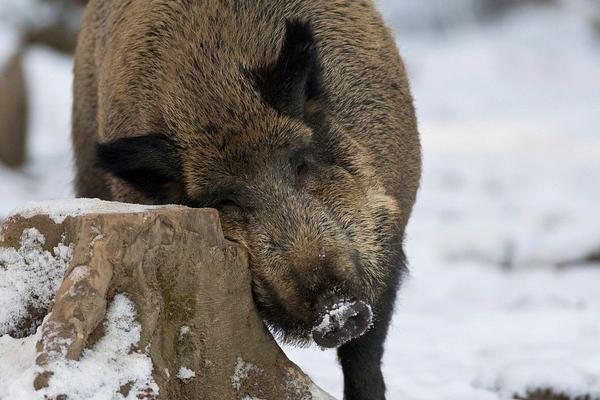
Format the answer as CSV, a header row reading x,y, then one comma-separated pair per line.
x,y
361,362
360,358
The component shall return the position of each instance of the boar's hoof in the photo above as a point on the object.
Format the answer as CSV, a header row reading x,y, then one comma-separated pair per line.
x,y
342,322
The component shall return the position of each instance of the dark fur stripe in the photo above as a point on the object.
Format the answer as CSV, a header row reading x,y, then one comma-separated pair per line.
x,y
148,163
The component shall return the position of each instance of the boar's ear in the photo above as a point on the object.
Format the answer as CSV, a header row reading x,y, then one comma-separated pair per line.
x,y
294,79
149,163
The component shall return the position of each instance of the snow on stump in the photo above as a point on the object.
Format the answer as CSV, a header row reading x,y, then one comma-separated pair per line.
x,y
108,300
13,101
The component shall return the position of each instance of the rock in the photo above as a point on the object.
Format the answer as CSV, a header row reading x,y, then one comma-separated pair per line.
x,y
548,394
13,102
192,294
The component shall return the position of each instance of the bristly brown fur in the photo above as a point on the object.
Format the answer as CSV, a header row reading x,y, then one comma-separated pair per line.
x,y
293,117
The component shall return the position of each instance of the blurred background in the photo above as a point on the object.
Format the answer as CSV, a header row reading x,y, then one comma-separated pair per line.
x,y
503,300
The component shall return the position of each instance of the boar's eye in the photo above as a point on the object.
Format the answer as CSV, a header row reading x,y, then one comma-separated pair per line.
x,y
301,169
301,162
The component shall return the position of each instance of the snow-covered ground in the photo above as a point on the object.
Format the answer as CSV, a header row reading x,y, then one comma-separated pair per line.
x,y
98,375
509,115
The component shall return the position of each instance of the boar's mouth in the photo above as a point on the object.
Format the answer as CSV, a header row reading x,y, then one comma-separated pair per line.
x,y
342,322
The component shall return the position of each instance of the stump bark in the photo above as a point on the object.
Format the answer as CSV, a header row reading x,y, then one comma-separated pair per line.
x,y
191,289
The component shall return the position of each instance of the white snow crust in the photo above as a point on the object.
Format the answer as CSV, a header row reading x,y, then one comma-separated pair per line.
x,y
98,375
29,277
185,374
59,210
336,313
184,331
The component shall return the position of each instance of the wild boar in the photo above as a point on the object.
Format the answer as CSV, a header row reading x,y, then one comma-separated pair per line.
x,y
294,119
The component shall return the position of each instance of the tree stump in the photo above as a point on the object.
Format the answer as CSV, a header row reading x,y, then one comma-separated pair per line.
x,y
192,294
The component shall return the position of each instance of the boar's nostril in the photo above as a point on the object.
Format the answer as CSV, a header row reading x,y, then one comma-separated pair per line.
x,y
342,322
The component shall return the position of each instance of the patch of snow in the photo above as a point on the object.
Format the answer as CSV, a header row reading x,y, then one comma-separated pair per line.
x,y
531,190
338,314
98,375
17,367
29,277
242,372
59,210
185,374
334,314
184,331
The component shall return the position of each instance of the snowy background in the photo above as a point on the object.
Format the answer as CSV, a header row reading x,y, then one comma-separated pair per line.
x,y
503,294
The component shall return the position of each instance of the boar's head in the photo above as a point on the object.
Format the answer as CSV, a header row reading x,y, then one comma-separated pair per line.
x,y
291,186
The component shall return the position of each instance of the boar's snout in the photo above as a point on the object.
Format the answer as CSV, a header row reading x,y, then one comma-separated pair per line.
x,y
341,322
